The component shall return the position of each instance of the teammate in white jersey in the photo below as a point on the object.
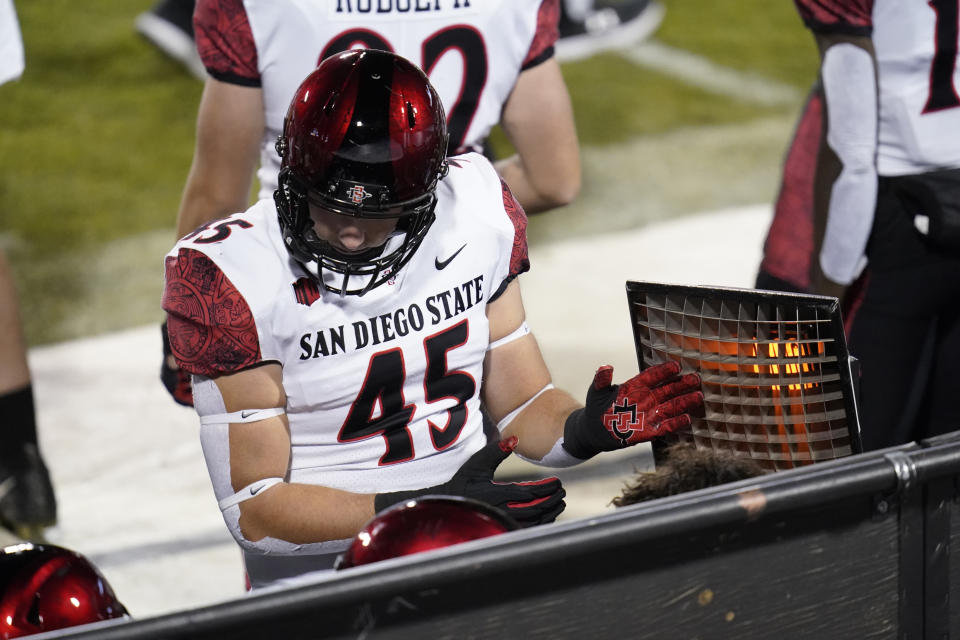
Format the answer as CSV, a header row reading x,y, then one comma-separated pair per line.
x,y
876,207
491,61
343,336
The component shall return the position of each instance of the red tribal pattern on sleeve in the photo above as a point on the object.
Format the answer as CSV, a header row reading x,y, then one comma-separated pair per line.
x,y
519,260
210,325
547,33
225,41
854,17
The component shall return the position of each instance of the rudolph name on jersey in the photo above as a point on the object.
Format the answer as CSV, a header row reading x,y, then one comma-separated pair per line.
x,y
399,6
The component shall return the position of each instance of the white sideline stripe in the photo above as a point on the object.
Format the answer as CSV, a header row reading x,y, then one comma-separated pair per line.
x,y
701,72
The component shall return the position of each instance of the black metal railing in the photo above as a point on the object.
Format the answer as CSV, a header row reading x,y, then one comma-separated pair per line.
x,y
858,547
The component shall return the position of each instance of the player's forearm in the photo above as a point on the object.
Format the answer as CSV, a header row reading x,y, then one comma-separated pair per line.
x,y
538,193
206,198
540,424
230,128
305,514
538,121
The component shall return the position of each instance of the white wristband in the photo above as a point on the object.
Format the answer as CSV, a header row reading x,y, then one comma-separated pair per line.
x,y
557,457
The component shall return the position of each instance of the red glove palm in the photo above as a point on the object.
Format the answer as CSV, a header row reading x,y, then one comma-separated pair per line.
x,y
653,403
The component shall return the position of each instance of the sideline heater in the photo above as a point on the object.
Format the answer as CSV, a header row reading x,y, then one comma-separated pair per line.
x,y
777,377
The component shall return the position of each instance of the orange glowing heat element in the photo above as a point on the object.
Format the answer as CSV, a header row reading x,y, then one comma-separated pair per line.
x,y
792,349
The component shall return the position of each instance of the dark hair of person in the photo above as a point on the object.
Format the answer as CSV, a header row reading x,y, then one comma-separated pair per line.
x,y
684,468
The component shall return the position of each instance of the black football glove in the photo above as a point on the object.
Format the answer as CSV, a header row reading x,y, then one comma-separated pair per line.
x,y
655,402
528,503
175,379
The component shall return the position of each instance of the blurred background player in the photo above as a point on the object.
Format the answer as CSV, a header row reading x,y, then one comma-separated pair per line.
x,y
490,62
879,209
27,502
585,28
785,265
342,335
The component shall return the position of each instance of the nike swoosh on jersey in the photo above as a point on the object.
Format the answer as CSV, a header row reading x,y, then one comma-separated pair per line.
x,y
442,264
255,490
247,414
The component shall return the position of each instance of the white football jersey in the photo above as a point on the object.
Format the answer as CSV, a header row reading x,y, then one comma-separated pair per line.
x,y
11,44
473,51
383,390
916,44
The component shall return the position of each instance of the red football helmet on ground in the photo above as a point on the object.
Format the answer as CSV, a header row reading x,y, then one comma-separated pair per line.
x,y
365,136
46,587
422,524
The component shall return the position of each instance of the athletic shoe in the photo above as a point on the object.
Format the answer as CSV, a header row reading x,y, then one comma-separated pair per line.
x,y
27,503
169,26
613,26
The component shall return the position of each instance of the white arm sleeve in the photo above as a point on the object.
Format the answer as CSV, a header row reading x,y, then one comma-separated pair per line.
x,y
215,441
557,457
850,92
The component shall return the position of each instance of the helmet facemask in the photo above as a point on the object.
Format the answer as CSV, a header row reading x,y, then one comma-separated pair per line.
x,y
356,274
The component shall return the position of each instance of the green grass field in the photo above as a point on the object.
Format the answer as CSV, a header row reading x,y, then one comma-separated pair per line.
x,y
98,135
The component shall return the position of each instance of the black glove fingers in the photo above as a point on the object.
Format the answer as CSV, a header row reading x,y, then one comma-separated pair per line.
x,y
528,491
539,511
555,510
176,380
485,461
599,399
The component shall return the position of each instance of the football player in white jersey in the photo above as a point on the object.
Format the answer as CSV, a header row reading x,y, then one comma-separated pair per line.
x,y
883,192
27,501
343,335
491,61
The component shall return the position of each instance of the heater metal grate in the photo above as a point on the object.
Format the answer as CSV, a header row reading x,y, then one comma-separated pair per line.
x,y
776,373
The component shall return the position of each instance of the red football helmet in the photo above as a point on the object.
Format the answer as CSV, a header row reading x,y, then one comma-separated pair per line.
x,y
422,524
45,587
365,136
